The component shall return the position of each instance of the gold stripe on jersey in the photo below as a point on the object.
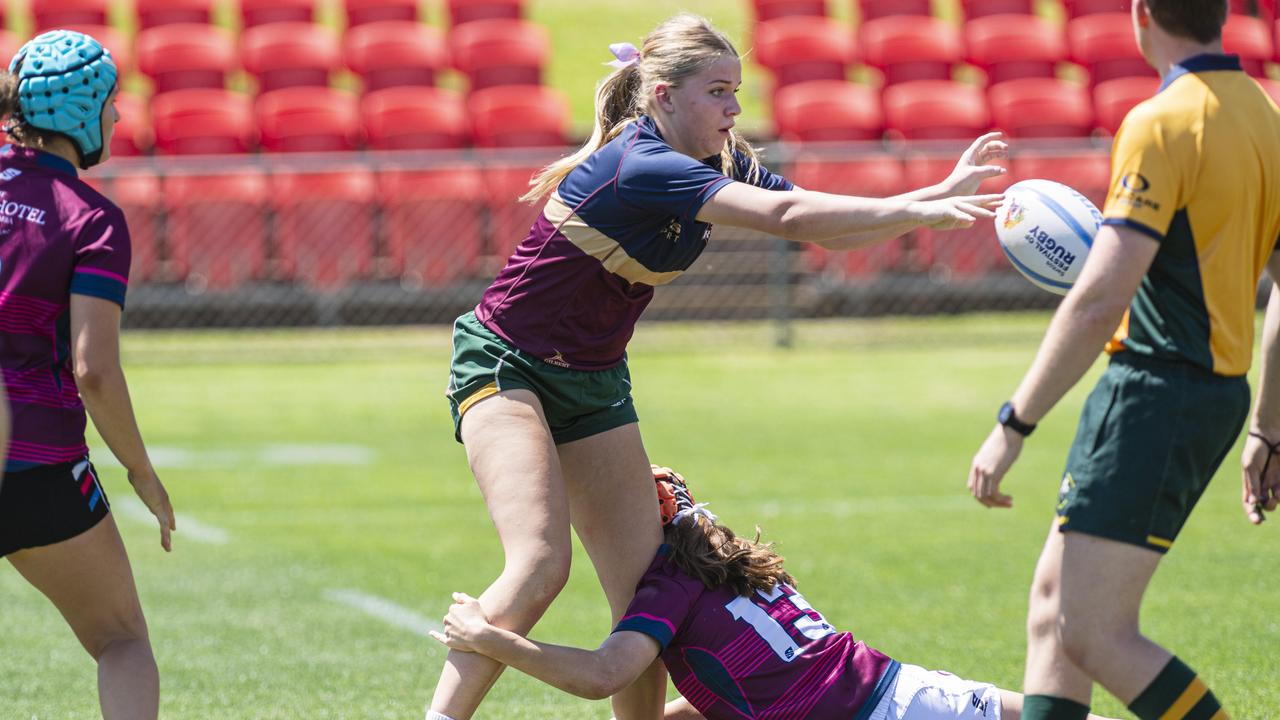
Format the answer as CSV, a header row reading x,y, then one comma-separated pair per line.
x,y
1201,158
602,247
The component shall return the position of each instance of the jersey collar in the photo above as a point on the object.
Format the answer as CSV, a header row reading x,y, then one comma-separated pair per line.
x,y
38,157
1205,62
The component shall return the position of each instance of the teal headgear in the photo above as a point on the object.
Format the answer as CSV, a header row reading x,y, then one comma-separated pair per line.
x,y
64,80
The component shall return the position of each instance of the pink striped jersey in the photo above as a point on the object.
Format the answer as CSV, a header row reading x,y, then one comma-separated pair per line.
x,y
765,655
58,238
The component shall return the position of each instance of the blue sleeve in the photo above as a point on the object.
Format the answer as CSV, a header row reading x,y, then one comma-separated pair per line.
x,y
764,177
660,606
103,253
659,179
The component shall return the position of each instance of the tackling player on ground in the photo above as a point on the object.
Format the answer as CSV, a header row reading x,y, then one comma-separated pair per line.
x,y
724,616
64,263
1192,219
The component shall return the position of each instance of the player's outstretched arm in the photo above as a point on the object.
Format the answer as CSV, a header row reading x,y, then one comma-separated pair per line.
x,y
592,674
1260,462
838,222
974,166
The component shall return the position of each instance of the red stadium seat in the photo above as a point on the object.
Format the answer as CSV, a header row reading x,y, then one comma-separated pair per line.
x,y
509,219
935,109
217,228
186,55
968,252
828,110
414,118
465,11
877,175
1105,45
1009,47
395,52
203,121
873,9
362,12
1277,42
10,42
308,119
1113,99
1265,9
911,48
500,52
132,135
1250,38
773,9
1079,8
433,223
802,48
262,12
1041,107
138,195
290,54
519,116
323,230
1088,172
1272,87
113,40
50,14
154,13
974,9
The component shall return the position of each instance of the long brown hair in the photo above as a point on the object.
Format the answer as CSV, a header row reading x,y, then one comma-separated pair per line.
x,y
677,49
10,109
715,555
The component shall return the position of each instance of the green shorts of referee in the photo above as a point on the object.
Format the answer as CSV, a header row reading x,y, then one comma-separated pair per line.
x,y
1150,438
577,403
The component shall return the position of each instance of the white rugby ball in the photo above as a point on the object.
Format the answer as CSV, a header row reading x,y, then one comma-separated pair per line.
x,y
1046,229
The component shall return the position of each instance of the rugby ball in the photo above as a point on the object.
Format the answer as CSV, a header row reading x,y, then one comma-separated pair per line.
x,y
1046,229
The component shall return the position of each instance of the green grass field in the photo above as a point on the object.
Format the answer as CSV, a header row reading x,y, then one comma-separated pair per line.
x,y
327,462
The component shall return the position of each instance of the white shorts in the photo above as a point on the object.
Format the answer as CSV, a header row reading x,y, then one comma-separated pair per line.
x,y
919,694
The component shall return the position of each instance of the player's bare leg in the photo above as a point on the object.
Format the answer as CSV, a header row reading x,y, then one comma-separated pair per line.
x,y
89,580
1048,670
516,467
615,514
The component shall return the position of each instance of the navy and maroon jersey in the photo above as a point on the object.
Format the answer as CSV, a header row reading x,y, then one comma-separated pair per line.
x,y
619,224
58,238
765,656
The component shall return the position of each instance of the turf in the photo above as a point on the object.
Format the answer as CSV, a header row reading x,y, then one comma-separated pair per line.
x,y
849,449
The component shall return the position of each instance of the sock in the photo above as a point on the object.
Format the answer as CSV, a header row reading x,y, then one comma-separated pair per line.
x,y
1046,707
433,715
1178,694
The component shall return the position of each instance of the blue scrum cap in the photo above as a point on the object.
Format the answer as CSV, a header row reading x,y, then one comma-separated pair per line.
x,y
64,80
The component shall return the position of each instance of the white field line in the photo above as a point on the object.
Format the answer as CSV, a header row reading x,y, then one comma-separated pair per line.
x,y
188,527
384,610
274,455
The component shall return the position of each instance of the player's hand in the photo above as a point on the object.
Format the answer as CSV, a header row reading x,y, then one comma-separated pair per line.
x,y
465,624
152,493
1261,480
957,212
993,460
975,165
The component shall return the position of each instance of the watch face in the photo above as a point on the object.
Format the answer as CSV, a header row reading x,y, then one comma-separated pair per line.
x,y
1006,412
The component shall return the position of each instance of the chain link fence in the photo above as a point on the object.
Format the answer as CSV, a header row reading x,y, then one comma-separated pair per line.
x,y
395,238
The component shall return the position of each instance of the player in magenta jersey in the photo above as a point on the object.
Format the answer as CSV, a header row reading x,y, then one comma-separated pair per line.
x,y
539,386
64,266
724,616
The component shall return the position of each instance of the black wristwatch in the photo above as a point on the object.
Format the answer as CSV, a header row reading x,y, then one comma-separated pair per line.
x,y
1009,419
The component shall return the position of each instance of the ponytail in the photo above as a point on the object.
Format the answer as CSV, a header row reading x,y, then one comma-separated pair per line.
x,y
713,554
616,107
11,112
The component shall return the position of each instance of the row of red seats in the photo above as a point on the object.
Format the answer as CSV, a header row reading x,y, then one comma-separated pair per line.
x,y
872,9
204,121
835,110
500,51
152,13
960,253
323,230
907,48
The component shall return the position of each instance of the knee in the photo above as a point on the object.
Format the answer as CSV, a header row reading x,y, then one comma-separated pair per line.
x,y
1042,615
126,629
1090,641
539,578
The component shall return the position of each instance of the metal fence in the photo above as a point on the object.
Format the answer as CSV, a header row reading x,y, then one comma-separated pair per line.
x,y
390,238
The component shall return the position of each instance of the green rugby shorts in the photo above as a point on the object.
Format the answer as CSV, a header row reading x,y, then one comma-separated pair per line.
x,y
577,403
1151,435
